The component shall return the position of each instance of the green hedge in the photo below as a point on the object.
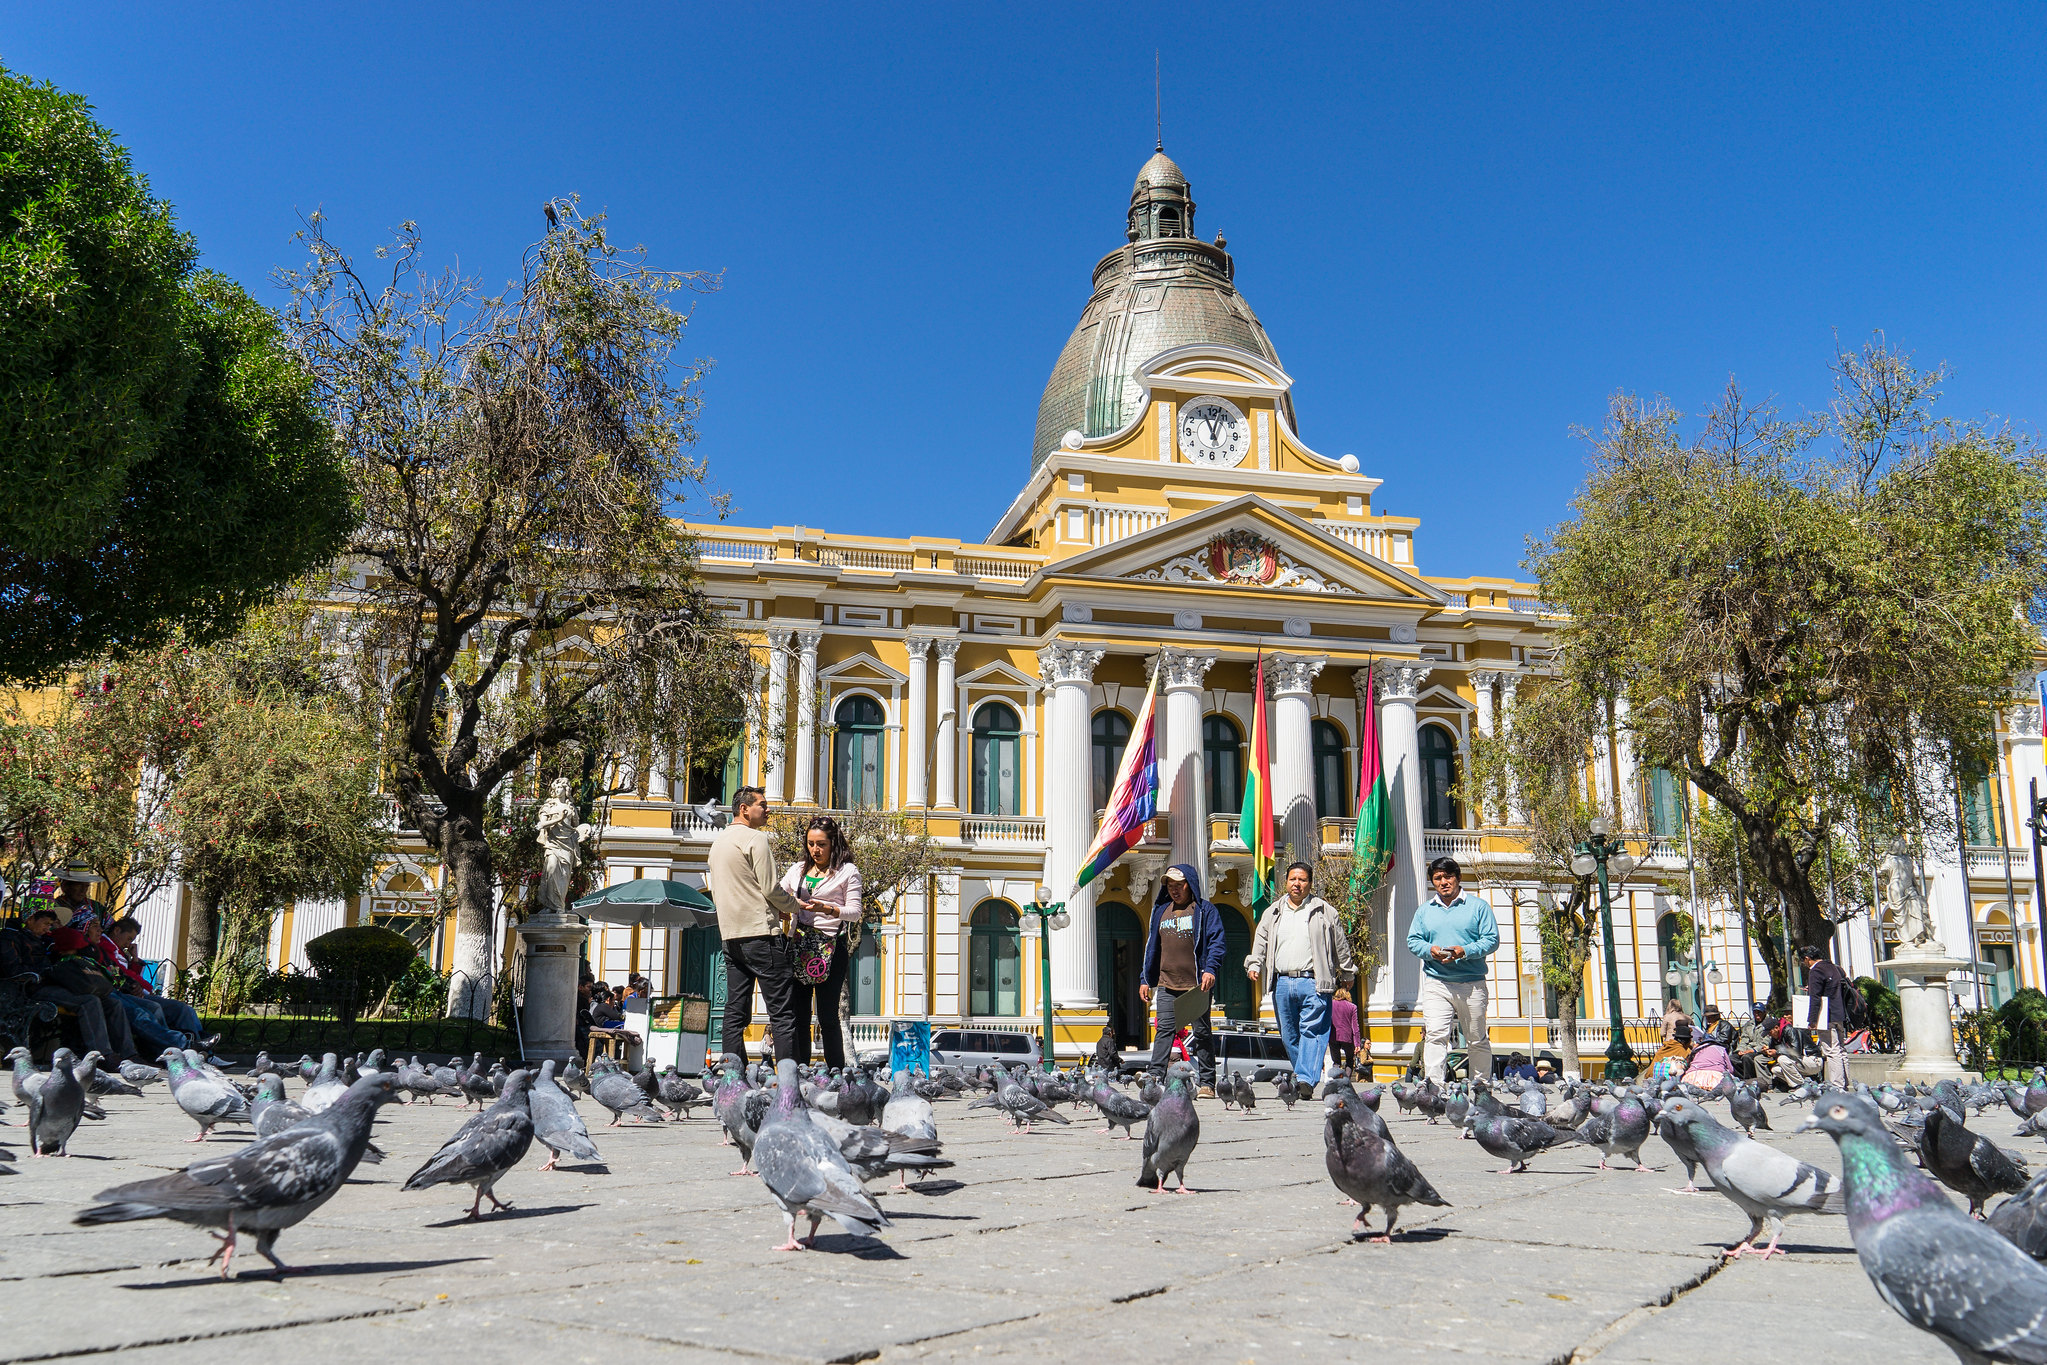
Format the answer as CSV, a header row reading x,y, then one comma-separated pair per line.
x,y
370,957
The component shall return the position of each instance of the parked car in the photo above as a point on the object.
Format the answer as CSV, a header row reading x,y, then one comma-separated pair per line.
x,y
1257,1056
981,1047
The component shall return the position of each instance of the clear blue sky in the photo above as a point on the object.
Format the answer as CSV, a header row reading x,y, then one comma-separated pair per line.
x,y
1462,232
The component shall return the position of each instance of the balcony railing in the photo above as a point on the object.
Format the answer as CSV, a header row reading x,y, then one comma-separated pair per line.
x,y
1988,860
1452,843
872,561
1002,829
1007,570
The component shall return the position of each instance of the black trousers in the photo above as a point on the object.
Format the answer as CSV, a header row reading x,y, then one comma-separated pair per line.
x,y
825,997
767,960
1201,1044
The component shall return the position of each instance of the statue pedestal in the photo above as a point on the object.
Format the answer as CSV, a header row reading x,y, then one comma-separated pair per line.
x,y
1929,1023
553,966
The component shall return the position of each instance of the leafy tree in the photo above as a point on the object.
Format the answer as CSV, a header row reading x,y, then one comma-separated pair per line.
x,y
166,467
1814,621
523,598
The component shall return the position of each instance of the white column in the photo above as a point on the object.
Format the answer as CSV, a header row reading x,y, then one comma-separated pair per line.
x,y
1183,785
1069,669
2022,726
1400,684
915,790
1482,681
1510,684
657,778
775,743
1624,764
806,716
1293,757
1602,765
948,726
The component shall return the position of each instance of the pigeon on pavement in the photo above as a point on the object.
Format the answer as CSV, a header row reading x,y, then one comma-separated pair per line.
x,y
55,1107
621,1094
1017,1104
1620,1130
555,1120
2023,1218
327,1086
271,1112
265,1187
1368,1167
1511,1137
1171,1132
804,1170
207,1101
1968,1163
1746,1107
98,1082
1761,1181
1119,1110
678,1096
135,1073
485,1147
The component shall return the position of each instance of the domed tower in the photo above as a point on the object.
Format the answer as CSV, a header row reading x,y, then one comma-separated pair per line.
x,y
1164,288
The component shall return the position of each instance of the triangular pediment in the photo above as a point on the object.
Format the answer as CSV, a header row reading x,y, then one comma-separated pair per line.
x,y
863,667
1251,545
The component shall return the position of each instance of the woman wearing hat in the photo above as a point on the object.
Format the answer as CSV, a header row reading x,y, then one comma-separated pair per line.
x,y
74,895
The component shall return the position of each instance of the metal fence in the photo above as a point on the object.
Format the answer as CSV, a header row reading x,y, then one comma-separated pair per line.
x,y
291,1010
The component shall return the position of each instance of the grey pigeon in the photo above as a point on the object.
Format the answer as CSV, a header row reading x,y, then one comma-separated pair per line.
x,y
474,1082
873,1153
2023,1218
1761,1181
1512,1138
271,1112
1619,1131
327,1086
1119,1110
98,1082
1943,1272
1286,1091
1171,1132
206,1100
55,1108
1017,1104
678,1096
308,1068
907,1113
1745,1106
1672,1131
265,1187
574,1079
555,1120
135,1073
1368,1167
804,1170
1968,1163
263,1066
485,1147
621,1094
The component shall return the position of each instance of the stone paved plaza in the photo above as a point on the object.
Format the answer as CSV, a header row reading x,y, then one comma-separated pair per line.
x,y
1042,1248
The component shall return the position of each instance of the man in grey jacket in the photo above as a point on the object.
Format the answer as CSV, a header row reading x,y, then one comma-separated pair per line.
x,y
1301,955
753,919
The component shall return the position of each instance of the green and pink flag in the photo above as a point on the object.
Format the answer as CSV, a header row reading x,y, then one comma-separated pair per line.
x,y
1371,849
1254,823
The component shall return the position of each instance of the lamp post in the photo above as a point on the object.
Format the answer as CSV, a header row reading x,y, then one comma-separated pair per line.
x,y
1051,915
1596,854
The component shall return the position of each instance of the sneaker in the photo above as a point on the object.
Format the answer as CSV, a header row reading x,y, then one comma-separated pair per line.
x,y
1207,1092
1303,1090
208,1043
215,1059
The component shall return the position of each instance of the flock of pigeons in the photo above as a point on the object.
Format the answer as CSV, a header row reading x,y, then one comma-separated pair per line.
x,y
817,1141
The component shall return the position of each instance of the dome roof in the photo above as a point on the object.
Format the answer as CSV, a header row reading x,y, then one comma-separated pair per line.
x,y
1167,288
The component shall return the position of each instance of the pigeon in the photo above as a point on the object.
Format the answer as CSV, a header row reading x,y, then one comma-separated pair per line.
x,y
1968,1163
573,1078
1761,1181
1513,1138
207,1101
135,1073
1017,1104
908,1114
555,1120
263,1066
1119,1110
474,1082
327,1086
485,1147
2023,1218
309,1070
271,1112
1284,1089
98,1082
678,1096
873,1153
1619,1131
1745,1105
1533,1102
265,1187
1942,1271
1247,1098
27,1080
1369,1168
804,1170
1171,1132
55,1107
621,1094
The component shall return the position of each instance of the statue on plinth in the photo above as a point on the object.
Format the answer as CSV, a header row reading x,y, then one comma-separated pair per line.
x,y
559,836
1904,900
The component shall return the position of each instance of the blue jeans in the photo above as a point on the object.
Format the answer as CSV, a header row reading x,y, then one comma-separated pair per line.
x,y
1303,1024
148,1027
177,1015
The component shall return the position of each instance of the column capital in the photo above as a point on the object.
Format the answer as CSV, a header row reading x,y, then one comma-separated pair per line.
x,y
948,646
1183,668
1293,672
807,638
1484,677
1398,680
918,646
1068,663
779,637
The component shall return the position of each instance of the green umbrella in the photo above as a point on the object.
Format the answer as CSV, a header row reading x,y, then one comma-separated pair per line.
x,y
651,902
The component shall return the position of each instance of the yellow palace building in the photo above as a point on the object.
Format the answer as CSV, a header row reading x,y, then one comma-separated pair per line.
x,y
1172,518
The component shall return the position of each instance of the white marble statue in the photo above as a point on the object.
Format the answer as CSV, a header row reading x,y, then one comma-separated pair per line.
x,y
559,836
1904,900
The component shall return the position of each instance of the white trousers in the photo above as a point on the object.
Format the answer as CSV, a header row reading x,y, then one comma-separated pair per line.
x,y
1462,1003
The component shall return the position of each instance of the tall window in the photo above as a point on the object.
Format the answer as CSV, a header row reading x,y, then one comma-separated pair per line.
x,y
867,975
858,768
1222,750
1666,803
995,958
997,744
1439,779
1979,806
1111,732
1332,771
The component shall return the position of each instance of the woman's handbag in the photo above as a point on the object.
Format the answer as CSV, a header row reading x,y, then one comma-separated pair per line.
x,y
814,956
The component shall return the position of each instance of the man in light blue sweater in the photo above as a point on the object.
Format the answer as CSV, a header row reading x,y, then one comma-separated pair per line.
x,y
1453,934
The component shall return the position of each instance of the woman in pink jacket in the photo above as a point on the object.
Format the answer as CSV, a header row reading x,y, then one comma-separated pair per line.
x,y
1346,1040
827,884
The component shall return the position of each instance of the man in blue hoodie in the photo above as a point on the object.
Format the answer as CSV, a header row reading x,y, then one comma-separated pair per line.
x,y
1453,933
1182,953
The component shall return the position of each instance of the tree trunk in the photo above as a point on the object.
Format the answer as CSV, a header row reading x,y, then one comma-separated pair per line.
x,y
466,855
202,934
1567,1018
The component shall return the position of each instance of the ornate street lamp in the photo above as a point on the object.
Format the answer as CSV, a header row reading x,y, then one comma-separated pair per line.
x,y
1597,854
1051,915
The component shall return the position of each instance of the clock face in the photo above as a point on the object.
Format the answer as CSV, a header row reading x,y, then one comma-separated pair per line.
x,y
1214,433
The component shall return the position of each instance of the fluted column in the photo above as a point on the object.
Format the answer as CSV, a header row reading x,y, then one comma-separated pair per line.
x,y
948,726
1183,786
1629,790
1069,670
1293,754
775,743
916,790
1482,682
657,779
1510,684
1400,684
806,716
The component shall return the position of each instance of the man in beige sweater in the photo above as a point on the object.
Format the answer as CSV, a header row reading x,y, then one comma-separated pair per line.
x,y
752,921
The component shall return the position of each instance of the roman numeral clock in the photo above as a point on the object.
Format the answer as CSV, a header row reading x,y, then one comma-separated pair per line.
x,y
1213,432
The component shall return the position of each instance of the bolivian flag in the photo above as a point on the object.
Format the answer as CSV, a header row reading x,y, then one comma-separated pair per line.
x,y
1254,825
1371,850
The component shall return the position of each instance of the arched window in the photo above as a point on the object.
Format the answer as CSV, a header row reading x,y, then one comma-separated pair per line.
x,y
1111,732
1332,771
1439,779
1222,751
1232,987
995,960
858,768
1666,803
997,744
867,975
